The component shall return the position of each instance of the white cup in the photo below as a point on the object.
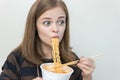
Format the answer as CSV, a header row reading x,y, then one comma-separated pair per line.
x,y
48,75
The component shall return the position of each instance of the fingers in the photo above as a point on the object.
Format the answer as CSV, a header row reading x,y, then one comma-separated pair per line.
x,y
37,78
87,65
87,61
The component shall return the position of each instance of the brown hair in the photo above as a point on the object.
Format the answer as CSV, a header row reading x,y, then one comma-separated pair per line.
x,y
31,44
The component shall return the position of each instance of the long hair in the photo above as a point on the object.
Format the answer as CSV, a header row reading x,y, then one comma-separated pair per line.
x,y
31,44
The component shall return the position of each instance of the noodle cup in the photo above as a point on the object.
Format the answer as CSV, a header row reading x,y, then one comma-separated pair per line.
x,y
49,75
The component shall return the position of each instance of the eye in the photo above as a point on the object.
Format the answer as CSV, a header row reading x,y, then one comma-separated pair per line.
x,y
46,23
61,22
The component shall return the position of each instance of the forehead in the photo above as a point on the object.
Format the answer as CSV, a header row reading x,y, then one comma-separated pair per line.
x,y
53,13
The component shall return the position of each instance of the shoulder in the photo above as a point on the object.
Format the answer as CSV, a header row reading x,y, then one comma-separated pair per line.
x,y
12,65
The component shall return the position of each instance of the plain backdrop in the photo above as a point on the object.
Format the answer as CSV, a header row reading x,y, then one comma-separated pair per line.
x,y
94,29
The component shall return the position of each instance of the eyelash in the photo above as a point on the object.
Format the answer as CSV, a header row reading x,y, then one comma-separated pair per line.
x,y
47,23
59,23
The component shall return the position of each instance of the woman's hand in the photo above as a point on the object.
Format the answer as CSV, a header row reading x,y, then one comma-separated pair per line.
x,y
87,65
38,78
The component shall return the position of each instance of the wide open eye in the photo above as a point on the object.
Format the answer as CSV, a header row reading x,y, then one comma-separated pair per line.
x,y
61,22
47,23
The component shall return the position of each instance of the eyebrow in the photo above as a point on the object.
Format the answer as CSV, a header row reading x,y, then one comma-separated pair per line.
x,y
61,17
50,18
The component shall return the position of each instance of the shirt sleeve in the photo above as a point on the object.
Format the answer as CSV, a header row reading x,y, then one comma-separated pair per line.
x,y
9,69
76,74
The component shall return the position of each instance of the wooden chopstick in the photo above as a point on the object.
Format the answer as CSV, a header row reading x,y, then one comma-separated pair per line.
x,y
69,63
76,61
94,57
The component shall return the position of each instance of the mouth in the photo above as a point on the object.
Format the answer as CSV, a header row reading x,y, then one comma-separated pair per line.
x,y
55,36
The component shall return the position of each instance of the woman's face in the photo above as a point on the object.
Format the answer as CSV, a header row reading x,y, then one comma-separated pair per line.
x,y
51,23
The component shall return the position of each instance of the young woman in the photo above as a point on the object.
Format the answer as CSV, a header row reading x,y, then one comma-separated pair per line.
x,y
46,19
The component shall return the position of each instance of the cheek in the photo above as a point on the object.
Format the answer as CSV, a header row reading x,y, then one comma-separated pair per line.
x,y
42,33
62,33
44,37
41,30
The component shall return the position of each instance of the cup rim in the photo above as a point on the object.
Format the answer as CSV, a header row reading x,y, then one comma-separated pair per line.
x,y
54,72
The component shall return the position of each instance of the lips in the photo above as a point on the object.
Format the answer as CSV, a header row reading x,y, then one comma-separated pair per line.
x,y
55,36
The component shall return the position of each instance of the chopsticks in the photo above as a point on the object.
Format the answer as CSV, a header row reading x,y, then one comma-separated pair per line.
x,y
94,57
69,63
76,61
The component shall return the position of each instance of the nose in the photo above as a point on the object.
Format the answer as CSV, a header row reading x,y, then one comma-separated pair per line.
x,y
55,28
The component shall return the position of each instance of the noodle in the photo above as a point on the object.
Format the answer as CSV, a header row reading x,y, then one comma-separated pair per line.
x,y
56,55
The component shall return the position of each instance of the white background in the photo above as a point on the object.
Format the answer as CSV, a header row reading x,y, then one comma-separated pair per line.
x,y
95,29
